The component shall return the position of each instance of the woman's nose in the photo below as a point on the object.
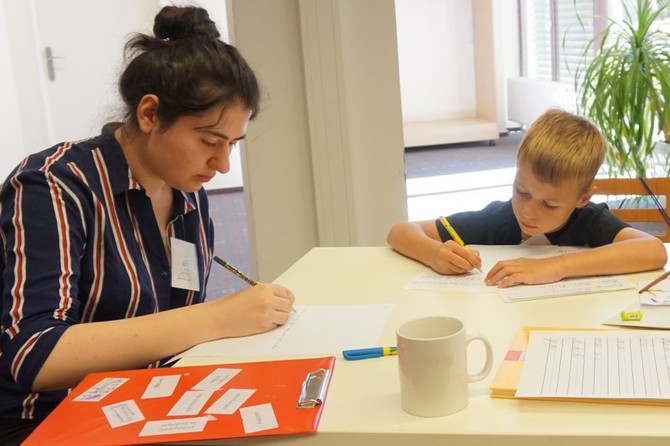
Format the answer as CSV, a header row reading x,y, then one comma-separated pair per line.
x,y
221,161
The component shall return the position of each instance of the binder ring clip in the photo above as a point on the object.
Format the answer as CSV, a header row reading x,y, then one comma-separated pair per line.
x,y
313,389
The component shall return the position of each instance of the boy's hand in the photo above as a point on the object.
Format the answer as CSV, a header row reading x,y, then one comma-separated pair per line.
x,y
508,273
452,258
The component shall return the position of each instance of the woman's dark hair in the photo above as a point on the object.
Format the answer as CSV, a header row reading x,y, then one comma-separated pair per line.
x,y
187,66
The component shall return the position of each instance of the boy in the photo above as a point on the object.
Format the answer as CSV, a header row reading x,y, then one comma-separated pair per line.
x,y
557,162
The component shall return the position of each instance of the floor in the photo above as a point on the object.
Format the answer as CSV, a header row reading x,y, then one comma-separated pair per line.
x,y
440,180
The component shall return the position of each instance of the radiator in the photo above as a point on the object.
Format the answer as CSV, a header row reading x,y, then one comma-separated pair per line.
x,y
528,98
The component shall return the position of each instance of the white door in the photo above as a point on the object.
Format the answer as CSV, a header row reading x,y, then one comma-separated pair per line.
x,y
85,40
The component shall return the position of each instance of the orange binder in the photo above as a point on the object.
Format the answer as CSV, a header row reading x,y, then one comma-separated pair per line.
x,y
278,386
506,380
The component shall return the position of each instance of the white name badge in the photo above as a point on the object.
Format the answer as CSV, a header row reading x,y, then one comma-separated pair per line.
x,y
184,265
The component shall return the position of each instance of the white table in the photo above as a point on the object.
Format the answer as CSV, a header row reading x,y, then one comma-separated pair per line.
x,y
363,403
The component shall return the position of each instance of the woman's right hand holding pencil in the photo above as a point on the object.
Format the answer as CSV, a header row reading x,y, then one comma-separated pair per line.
x,y
253,310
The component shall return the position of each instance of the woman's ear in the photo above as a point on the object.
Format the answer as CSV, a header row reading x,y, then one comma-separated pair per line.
x,y
147,119
586,196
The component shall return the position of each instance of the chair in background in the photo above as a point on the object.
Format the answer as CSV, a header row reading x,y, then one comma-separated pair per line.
x,y
642,202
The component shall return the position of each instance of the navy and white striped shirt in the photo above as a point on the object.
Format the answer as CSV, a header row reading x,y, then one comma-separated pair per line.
x,y
80,243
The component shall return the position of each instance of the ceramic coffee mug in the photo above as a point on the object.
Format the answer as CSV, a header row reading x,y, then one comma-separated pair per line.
x,y
433,366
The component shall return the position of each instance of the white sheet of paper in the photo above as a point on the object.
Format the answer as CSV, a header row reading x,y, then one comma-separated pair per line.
x,y
566,287
311,330
161,386
622,364
122,413
474,281
652,317
191,402
258,418
101,389
230,401
180,426
659,294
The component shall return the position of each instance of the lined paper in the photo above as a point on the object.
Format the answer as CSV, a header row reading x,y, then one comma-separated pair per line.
x,y
474,281
620,364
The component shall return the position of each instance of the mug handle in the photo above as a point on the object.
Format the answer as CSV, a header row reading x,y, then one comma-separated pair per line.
x,y
486,369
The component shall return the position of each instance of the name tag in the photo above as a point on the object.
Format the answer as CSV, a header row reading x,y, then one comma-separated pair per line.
x,y
184,265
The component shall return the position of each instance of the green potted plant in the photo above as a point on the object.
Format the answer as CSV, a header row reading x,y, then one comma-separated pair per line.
x,y
623,86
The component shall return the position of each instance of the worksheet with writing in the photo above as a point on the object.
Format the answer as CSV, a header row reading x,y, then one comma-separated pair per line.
x,y
474,281
607,364
310,330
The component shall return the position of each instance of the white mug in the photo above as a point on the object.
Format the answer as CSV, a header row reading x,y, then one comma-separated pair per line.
x,y
433,366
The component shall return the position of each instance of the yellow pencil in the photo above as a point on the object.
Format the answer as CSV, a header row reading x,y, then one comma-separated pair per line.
x,y
235,271
453,233
238,273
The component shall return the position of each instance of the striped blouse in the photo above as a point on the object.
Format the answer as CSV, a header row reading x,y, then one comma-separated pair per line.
x,y
80,243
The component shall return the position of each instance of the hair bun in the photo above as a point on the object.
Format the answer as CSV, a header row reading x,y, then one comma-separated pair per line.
x,y
175,22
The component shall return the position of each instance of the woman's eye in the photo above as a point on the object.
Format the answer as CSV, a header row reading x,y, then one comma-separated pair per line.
x,y
209,143
550,206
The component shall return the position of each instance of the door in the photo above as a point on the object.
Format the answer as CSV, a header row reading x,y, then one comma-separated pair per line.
x,y
85,39
78,46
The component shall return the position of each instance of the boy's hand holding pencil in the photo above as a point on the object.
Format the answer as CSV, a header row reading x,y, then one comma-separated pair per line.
x,y
452,256
462,253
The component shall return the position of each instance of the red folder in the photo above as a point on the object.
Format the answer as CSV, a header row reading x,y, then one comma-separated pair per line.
x,y
282,383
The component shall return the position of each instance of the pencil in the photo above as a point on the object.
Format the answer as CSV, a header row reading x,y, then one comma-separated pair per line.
x,y
453,233
654,282
238,273
235,271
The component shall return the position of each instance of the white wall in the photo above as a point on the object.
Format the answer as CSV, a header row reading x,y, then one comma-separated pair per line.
x,y
507,38
217,10
28,129
436,58
10,121
297,160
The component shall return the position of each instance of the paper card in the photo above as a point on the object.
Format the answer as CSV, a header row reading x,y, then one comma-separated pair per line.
x,y
101,389
217,379
658,294
120,414
161,386
185,273
180,426
230,401
191,402
258,418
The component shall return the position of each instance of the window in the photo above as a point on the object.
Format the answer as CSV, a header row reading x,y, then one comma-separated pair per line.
x,y
554,34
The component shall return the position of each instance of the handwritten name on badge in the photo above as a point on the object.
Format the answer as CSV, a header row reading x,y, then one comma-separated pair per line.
x,y
185,273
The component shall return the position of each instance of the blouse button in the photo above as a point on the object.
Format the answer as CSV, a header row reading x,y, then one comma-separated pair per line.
x,y
164,274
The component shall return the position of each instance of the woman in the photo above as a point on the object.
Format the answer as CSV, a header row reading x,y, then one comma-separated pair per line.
x,y
107,242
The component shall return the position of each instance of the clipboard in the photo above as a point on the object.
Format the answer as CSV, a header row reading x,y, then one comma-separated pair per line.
x,y
294,389
506,380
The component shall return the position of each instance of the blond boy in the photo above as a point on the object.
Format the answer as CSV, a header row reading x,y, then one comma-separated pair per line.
x,y
557,162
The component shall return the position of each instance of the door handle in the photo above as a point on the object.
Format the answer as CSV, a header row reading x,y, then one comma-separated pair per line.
x,y
50,63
